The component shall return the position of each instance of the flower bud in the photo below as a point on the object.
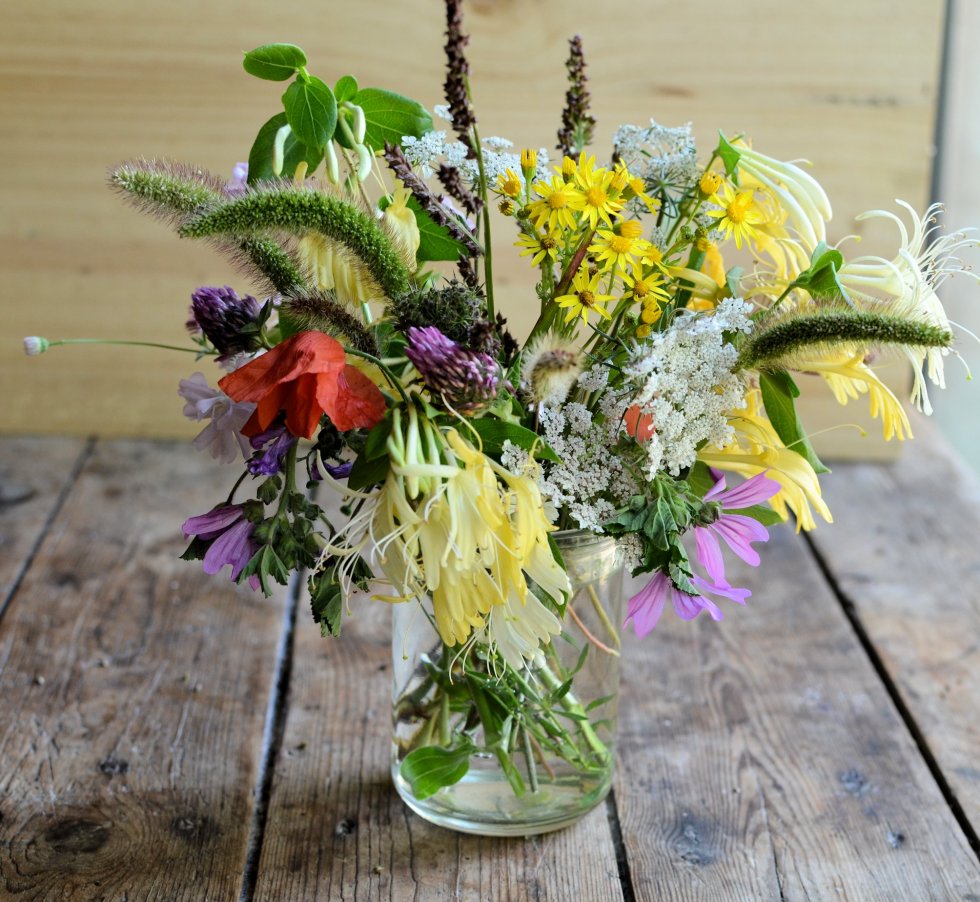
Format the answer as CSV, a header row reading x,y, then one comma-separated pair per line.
x,y
34,345
710,183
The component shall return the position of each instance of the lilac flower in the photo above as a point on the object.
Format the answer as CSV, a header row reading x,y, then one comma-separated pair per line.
x,y
274,444
227,320
340,471
465,380
647,605
230,534
222,436
738,530
238,183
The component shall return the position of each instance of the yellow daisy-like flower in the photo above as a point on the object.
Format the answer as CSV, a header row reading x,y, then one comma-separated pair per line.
x,y
585,297
654,256
509,183
538,249
557,205
620,245
738,216
644,284
597,198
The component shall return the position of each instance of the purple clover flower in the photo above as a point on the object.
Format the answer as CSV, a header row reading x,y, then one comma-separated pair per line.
x,y
737,530
225,319
464,380
273,444
230,535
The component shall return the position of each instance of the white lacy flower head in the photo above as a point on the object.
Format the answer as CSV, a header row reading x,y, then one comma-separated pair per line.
x,y
684,382
222,437
661,156
427,153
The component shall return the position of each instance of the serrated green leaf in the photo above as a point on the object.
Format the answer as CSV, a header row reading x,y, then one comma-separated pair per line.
x,y
430,768
727,154
390,117
311,110
345,89
274,62
778,392
294,151
326,603
493,433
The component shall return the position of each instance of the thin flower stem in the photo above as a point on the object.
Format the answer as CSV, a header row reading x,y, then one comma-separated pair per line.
x,y
115,341
602,615
541,758
532,771
487,243
381,365
588,635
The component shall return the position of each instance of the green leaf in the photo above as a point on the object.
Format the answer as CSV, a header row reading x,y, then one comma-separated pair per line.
x,y
728,154
733,280
430,768
765,515
326,602
311,110
435,242
376,445
493,433
345,89
368,472
390,117
294,152
820,278
778,392
274,62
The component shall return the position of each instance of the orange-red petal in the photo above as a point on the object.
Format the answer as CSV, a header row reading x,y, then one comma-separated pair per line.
x,y
352,400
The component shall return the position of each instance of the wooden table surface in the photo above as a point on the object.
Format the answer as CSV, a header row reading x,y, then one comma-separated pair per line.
x,y
168,736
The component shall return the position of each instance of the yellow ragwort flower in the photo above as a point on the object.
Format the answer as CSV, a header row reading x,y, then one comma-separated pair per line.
x,y
738,216
509,183
585,297
644,284
539,248
557,204
620,245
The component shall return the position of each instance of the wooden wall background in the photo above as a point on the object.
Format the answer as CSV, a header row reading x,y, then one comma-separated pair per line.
x,y
85,83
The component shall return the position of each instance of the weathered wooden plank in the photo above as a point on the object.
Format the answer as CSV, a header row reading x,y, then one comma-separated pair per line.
x,y
134,691
761,758
904,553
33,474
336,828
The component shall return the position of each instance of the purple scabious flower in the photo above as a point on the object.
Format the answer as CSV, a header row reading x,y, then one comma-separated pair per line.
x,y
230,535
465,380
737,530
227,320
222,437
272,447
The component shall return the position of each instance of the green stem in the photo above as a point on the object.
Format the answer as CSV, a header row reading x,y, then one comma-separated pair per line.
x,y
487,243
114,341
532,769
381,365
602,615
572,706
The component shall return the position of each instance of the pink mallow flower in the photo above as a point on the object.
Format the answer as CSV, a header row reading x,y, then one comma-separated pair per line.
x,y
222,437
739,531
230,535
648,604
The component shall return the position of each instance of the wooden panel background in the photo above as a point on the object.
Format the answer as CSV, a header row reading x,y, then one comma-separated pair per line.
x,y
85,83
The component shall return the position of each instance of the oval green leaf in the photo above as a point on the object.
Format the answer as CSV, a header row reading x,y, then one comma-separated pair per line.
x,y
311,110
274,62
430,768
390,117
294,152
345,89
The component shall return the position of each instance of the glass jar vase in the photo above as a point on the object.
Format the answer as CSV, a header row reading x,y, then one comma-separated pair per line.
x,y
482,747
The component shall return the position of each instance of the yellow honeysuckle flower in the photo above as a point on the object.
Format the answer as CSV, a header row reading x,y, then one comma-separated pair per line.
x,y
399,221
758,448
798,193
849,377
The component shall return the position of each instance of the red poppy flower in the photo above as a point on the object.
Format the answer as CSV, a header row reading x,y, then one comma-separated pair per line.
x,y
640,426
307,375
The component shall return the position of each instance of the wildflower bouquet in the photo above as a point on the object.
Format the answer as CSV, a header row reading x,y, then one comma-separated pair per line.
x,y
484,480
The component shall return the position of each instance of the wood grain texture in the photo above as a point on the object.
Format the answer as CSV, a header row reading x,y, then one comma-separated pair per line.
x,y
336,828
904,553
33,474
134,693
91,82
762,759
